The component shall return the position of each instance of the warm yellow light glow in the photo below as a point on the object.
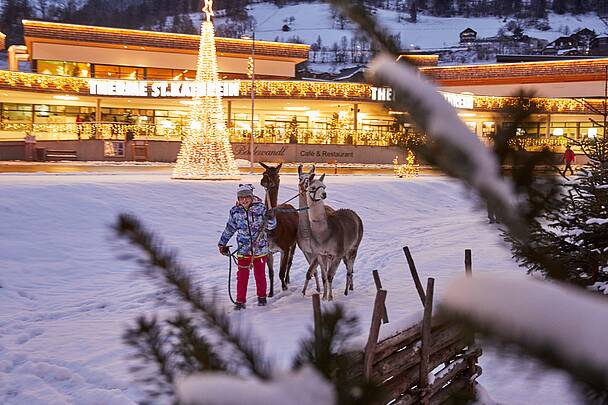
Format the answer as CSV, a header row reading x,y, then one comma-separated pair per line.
x,y
467,114
288,108
409,169
558,132
205,152
66,97
592,133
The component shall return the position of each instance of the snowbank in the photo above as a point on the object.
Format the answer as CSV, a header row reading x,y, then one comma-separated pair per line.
x,y
551,316
302,387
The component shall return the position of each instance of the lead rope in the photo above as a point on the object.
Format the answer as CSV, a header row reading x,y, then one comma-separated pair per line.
x,y
231,258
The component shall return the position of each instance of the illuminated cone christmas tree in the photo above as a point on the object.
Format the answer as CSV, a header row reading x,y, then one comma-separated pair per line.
x,y
205,152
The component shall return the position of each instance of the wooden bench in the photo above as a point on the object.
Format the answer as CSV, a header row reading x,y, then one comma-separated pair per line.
x,y
57,154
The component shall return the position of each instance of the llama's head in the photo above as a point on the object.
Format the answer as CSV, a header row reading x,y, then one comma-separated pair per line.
x,y
305,178
316,189
270,177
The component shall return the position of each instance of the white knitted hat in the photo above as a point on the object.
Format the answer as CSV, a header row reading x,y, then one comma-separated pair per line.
x,y
245,190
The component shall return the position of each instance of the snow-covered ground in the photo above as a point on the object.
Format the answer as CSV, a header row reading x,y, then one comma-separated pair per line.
x,y
66,298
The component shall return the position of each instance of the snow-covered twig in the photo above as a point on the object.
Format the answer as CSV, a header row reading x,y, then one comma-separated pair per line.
x,y
301,387
559,324
458,151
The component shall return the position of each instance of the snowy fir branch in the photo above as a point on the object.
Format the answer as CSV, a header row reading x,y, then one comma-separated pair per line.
x,y
456,150
570,337
326,352
151,348
162,264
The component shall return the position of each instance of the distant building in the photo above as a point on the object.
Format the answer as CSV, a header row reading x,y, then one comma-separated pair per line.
x,y
599,45
575,44
467,36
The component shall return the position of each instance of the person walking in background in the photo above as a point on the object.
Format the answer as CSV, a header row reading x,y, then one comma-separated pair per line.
x,y
568,159
79,126
250,220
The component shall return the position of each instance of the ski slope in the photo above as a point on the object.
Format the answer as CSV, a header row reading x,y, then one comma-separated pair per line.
x,y
66,297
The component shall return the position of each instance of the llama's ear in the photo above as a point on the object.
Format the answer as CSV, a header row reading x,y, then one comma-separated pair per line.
x,y
263,165
322,177
313,169
279,166
311,178
299,170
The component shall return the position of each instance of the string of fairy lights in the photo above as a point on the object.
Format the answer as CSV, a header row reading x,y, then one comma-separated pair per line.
x,y
205,152
409,169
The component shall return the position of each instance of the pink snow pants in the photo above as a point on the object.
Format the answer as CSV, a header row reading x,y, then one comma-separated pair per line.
x,y
242,277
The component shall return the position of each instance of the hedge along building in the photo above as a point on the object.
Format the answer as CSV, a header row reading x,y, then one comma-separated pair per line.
x,y
95,87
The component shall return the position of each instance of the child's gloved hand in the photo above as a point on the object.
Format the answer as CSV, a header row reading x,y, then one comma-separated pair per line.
x,y
224,250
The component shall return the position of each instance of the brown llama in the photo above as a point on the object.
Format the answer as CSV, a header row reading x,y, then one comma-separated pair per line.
x,y
283,238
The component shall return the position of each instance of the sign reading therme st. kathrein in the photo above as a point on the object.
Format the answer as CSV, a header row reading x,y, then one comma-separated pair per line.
x,y
136,88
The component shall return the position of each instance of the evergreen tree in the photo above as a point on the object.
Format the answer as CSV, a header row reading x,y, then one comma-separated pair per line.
x,y
538,8
10,20
559,6
573,229
413,11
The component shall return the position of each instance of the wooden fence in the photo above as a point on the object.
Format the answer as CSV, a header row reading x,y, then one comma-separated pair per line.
x,y
431,362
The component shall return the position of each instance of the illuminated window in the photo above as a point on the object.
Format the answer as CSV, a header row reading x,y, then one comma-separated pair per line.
x,y
21,113
118,72
58,68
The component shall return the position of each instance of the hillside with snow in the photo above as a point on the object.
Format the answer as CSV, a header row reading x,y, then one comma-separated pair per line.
x,y
314,20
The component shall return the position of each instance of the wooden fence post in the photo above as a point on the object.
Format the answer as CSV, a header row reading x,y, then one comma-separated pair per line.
x,y
468,269
378,288
410,262
374,331
316,309
425,350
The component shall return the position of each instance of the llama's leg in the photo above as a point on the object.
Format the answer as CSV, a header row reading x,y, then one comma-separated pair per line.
x,y
350,264
311,268
330,278
292,252
283,270
270,263
324,275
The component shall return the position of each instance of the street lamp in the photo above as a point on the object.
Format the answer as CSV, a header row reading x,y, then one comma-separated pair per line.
x,y
251,71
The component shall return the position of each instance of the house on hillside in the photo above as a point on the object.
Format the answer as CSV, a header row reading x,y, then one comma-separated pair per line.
x,y
468,36
575,44
599,45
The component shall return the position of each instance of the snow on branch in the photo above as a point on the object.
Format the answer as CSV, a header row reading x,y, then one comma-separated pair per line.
x,y
549,320
301,387
458,151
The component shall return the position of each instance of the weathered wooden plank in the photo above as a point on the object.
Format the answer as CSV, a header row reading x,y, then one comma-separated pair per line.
x,y
378,288
468,269
396,342
370,348
409,357
425,350
461,367
409,377
316,309
459,385
412,266
443,335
